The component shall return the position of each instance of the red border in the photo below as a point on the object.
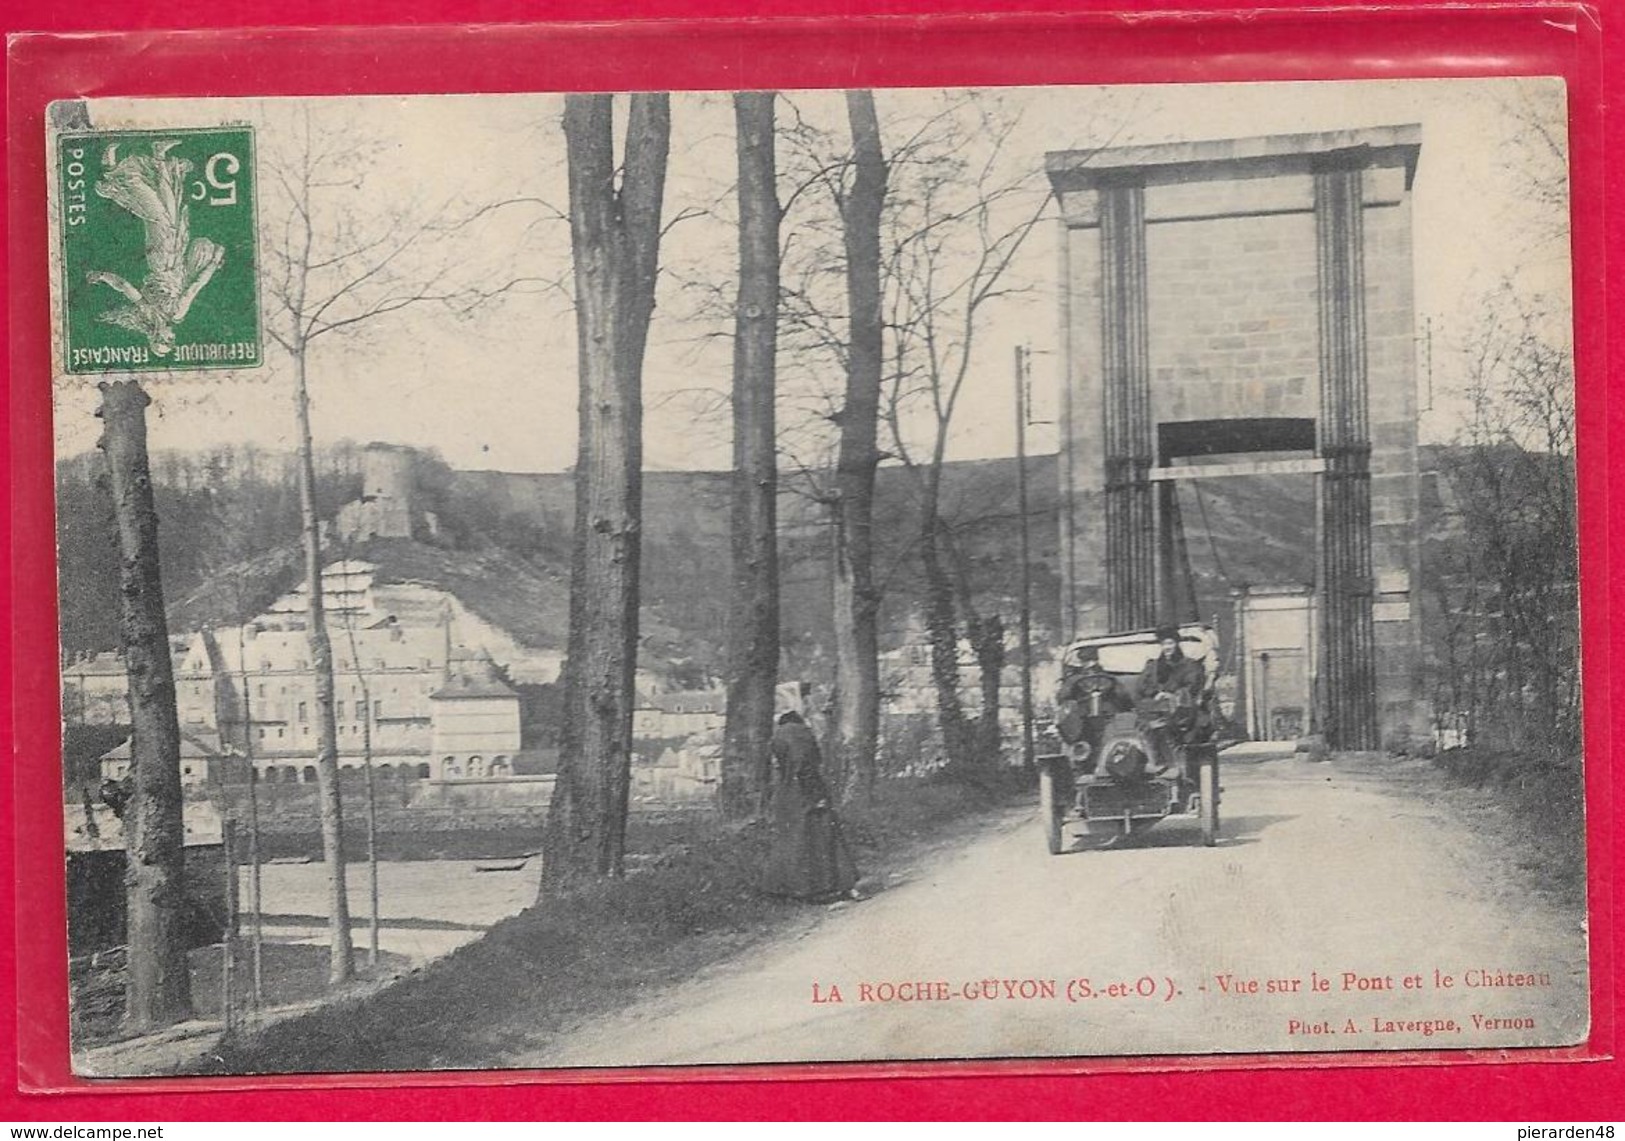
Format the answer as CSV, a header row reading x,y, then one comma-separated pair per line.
x,y
826,43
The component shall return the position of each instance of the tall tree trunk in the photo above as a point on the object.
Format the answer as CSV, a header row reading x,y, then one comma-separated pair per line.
x,y
341,955
753,625
159,991
942,632
615,242
941,614
987,640
857,642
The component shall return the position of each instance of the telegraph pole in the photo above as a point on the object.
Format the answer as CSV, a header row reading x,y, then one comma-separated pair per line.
x,y
256,921
366,757
1023,363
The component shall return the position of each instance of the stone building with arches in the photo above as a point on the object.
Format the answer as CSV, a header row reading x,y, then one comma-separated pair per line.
x,y
421,706
474,723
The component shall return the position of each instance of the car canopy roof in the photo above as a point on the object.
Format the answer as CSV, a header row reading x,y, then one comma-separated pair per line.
x,y
1127,653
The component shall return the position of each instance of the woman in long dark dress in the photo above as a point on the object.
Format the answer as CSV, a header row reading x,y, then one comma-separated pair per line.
x,y
809,857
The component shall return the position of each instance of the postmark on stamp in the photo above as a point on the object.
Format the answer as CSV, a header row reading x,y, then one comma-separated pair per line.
x,y
159,250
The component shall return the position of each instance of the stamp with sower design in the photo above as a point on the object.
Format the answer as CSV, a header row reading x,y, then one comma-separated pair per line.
x,y
159,250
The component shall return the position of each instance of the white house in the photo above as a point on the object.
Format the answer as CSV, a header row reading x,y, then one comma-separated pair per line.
x,y
475,723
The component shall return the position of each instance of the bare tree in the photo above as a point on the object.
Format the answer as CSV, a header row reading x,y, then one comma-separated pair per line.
x,y
753,627
615,242
857,641
930,231
159,990
954,228
1535,151
1506,572
335,266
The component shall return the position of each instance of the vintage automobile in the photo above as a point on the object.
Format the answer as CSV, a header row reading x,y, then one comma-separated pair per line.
x,y
1119,761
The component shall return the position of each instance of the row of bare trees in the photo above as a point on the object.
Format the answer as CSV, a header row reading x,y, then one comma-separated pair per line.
x,y
332,270
898,253
905,243
947,215
1504,571
615,236
955,236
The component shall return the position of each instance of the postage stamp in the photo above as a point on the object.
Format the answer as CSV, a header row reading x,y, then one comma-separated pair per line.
x,y
158,248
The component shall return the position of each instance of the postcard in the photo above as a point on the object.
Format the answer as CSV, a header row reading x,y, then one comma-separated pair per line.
x,y
663,580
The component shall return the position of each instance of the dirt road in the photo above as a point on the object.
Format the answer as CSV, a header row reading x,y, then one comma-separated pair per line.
x,y
1333,915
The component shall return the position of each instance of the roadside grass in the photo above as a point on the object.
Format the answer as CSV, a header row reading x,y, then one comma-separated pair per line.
x,y
689,902
1539,803
1532,808
291,974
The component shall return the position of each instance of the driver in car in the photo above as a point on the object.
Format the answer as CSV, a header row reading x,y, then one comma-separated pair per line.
x,y
1086,690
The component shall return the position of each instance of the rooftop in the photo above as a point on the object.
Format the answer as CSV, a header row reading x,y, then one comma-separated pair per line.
x,y
474,677
1396,145
390,647
106,663
686,701
194,746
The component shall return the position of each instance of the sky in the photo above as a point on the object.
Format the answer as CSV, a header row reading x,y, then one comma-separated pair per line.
x,y
495,388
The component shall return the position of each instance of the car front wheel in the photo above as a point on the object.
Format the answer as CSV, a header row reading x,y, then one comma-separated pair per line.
x,y
1208,789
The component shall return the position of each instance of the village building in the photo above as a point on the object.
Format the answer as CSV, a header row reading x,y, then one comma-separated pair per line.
x,y
682,713
423,705
96,685
907,686
203,760
701,762
474,723
355,597
255,690
680,775
95,690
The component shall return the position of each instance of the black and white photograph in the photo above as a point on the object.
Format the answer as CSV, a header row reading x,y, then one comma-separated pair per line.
x,y
571,582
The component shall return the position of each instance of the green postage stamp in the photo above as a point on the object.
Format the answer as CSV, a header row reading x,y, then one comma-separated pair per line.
x,y
159,259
